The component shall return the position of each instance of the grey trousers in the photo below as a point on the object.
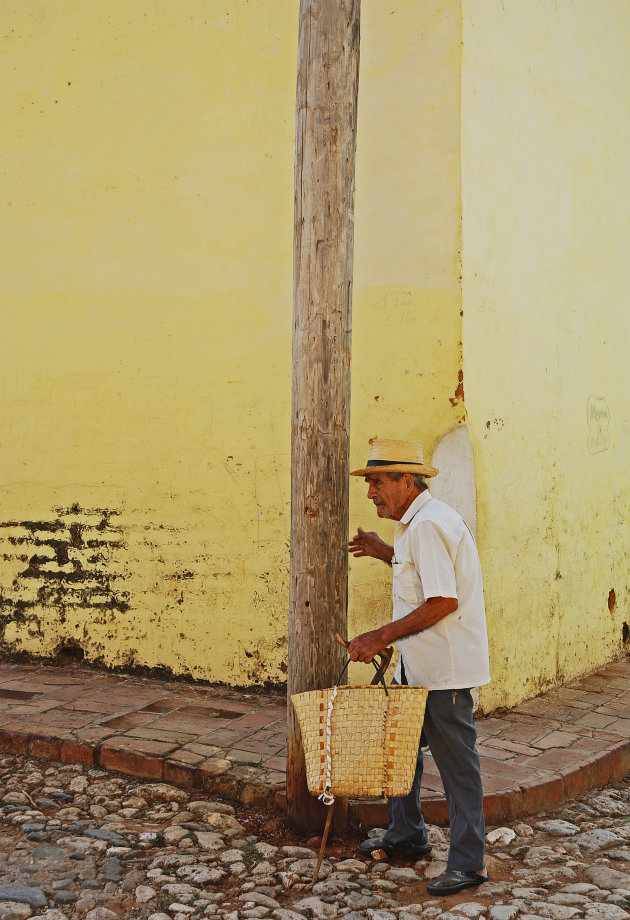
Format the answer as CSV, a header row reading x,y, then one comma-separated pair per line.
x,y
449,730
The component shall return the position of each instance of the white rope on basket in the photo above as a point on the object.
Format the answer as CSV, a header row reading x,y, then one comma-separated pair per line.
x,y
326,797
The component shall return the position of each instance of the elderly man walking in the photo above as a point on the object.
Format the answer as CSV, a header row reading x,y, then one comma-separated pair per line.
x,y
439,624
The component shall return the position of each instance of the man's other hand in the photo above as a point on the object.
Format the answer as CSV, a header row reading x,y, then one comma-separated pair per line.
x,y
368,543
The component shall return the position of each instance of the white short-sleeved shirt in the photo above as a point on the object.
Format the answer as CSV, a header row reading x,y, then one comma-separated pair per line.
x,y
435,556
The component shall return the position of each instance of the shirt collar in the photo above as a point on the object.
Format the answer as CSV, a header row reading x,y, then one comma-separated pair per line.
x,y
418,503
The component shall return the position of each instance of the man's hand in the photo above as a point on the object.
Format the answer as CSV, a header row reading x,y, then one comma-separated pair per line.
x,y
367,645
365,543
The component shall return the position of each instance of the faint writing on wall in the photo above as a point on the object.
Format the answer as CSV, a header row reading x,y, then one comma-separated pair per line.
x,y
597,420
400,307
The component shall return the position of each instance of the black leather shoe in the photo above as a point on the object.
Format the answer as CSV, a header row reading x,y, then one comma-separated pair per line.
x,y
415,850
453,880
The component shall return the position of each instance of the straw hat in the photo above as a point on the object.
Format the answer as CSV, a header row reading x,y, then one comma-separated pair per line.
x,y
389,456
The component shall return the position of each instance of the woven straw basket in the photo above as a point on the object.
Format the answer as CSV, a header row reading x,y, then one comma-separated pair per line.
x,y
373,742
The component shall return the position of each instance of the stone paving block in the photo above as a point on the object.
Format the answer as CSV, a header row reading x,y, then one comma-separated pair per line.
x,y
494,784
243,757
37,706
615,709
522,718
205,750
275,778
620,761
252,722
126,743
187,726
619,682
67,720
523,733
276,738
165,705
491,726
224,738
88,705
595,720
76,752
593,745
494,752
199,710
598,769
28,727
59,677
46,747
91,734
541,795
512,772
255,794
578,704
14,742
186,757
555,759
567,714
512,746
153,734
574,780
246,772
76,692
220,784
99,681
179,774
122,723
275,763
132,763
28,686
532,707
556,739
122,697
504,806
260,747
215,766
606,735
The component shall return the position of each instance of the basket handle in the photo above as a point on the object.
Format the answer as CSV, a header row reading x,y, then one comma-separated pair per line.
x,y
379,674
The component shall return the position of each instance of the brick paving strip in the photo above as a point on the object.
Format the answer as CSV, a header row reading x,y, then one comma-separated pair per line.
x,y
233,742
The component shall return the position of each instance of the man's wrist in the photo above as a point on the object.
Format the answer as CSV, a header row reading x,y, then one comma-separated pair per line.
x,y
383,634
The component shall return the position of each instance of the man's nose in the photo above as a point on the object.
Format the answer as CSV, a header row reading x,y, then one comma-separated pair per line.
x,y
371,491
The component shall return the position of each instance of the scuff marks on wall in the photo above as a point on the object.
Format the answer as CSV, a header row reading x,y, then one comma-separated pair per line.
x,y
73,560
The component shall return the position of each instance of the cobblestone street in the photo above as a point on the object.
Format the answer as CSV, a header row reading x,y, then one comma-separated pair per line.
x,y
78,842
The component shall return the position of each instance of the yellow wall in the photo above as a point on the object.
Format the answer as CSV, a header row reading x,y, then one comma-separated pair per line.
x,y
147,222
545,169
146,289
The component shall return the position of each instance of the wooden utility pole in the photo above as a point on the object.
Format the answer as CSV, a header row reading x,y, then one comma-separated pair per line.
x,y
325,144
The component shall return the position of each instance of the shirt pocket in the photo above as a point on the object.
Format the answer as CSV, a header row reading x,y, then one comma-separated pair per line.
x,y
404,584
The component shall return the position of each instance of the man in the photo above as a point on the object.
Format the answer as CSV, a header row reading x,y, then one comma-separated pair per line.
x,y
440,627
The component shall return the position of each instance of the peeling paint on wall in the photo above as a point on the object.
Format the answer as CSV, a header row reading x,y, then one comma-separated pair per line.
x,y
123,588
70,561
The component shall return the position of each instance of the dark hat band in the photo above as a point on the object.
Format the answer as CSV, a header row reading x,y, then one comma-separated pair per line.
x,y
394,463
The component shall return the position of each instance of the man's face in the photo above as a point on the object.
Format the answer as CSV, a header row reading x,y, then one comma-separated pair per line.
x,y
392,498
